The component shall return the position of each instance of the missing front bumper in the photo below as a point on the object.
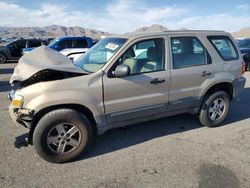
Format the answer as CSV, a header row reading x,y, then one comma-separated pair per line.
x,y
22,116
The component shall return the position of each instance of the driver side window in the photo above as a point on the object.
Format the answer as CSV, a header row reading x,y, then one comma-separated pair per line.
x,y
144,56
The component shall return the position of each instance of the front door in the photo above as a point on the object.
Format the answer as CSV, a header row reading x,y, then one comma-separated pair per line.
x,y
145,91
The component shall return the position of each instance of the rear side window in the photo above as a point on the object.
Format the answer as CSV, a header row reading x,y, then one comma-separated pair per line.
x,y
225,47
80,43
20,43
34,43
188,52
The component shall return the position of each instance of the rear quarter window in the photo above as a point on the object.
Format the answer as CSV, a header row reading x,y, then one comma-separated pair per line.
x,y
80,43
225,47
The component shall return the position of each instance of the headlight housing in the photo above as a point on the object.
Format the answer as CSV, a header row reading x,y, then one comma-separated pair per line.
x,y
17,101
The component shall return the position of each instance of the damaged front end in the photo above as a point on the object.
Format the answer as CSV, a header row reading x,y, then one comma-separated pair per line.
x,y
41,65
44,64
19,113
46,75
21,117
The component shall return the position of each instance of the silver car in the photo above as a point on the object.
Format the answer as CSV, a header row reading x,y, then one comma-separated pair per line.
x,y
121,81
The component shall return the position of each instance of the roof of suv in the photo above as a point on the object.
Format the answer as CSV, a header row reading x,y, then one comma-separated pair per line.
x,y
73,37
145,34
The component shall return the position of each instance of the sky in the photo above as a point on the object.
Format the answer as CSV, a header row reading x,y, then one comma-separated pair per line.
x,y
120,16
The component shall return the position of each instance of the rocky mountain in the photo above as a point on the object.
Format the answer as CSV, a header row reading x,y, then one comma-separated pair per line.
x,y
243,33
154,27
57,31
49,31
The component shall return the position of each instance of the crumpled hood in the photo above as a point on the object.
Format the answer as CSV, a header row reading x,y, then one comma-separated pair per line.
x,y
42,58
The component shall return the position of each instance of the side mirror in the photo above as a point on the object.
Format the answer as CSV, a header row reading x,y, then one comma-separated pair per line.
x,y
121,71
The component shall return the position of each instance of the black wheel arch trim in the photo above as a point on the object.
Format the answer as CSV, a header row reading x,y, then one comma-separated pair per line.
x,y
82,109
228,87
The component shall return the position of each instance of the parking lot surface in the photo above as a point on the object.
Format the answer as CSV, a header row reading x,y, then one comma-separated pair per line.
x,y
170,152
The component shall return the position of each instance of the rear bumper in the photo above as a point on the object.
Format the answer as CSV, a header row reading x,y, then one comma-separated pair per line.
x,y
238,85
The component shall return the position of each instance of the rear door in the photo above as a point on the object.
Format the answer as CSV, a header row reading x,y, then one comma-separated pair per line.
x,y
229,55
144,92
191,67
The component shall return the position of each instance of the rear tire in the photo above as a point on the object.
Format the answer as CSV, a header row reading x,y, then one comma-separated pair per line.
x,y
214,109
3,58
248,66
61,135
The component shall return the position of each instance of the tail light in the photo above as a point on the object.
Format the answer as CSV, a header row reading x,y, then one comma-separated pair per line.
x,y
243,67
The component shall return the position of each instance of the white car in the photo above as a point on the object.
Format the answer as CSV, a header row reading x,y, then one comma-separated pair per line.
x,y
74,53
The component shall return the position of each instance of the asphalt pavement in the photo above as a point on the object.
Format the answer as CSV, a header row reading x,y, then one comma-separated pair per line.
x,y
170,152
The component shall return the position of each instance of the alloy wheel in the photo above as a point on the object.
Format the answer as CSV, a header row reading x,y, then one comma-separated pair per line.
x,y
64,138
2,58
216,109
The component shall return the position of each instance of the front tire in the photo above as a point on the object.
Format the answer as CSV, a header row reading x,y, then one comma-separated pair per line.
x,y
214,109
61,135
3,58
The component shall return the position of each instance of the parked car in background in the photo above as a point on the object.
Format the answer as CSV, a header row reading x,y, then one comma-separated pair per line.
x,y
65,104
50,39
62,43
13,49
10,39
95,41
74,53
244,45
30,45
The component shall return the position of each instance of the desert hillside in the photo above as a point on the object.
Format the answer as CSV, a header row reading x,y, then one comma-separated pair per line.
x,y
49,31
154,27
57,31
243,33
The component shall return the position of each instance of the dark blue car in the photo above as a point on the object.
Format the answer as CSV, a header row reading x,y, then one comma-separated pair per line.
x,y
244,45
71,42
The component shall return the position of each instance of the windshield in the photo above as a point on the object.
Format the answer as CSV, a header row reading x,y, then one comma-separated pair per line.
x,y
53,43
5,43
94,59
244,43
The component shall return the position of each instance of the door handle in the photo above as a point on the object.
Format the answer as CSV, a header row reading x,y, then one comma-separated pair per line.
x,y
157,81
205,73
